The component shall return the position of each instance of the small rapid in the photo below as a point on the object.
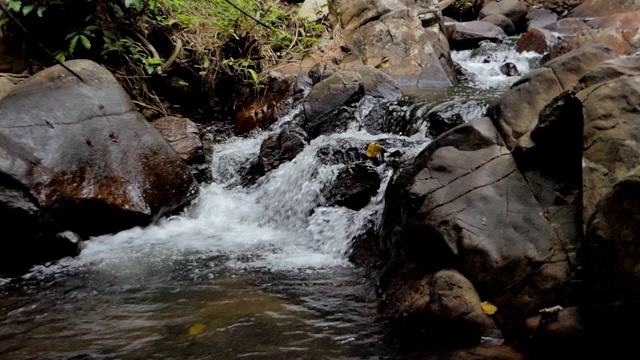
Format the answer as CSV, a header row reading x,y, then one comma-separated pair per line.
x,y
246,271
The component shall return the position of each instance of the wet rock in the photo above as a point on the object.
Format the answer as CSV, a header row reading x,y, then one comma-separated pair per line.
x,y
502,22
623,21
354,186
537,18
283,91
512,9
332,104
469,34
5,87
77,154
419,56
509,69
439,124
281,147
183,136
445,305
536,40
556,330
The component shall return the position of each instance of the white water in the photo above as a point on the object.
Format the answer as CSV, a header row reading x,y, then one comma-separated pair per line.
x,y
279,224
485,61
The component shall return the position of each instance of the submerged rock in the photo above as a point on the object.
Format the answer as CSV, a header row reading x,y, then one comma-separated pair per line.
x,y
77,156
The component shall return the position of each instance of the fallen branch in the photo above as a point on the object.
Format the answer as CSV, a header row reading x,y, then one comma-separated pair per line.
x,y
173,56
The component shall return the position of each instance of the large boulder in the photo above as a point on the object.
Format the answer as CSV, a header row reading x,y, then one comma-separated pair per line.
x,y
464,204
76,155
614,38
516,113
409,33
610,94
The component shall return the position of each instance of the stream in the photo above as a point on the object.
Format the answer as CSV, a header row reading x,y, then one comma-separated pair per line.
x,y
257,272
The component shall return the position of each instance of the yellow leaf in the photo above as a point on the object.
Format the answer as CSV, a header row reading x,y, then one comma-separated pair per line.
x,y
197,329
488,308
374,149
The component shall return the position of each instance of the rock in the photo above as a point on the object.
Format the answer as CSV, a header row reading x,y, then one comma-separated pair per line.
x,y
78,157
324,106
5,87
331,105
623,21
536,40
319,72
439,123
568,26
612,38
183,136
312,10
419,57
509,69
609,93
469,34
516,113
502,22
281,147
557,331
283,91
445,305
612,247
467,206
595,8
512,9
354,186
538,18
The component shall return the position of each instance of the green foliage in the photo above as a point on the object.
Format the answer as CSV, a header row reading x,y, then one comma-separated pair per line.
x,y
135,37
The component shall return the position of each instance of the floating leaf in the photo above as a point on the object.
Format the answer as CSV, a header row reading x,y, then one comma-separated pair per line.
x,y
374,149
197,329
488,308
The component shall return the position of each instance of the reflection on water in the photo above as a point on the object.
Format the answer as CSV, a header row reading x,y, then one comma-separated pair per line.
x,y
320,314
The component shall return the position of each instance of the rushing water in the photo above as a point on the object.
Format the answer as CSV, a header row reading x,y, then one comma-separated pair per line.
x,y
258,272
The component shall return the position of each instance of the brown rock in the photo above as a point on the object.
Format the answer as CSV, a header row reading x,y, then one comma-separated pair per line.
x,y
611,37
78,157
536,40
567,26
469,34
183,136
410,34
502,22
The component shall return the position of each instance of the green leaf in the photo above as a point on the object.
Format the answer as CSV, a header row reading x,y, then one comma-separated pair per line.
x,y
85,42
27,9
14,5
3,21
254,76
41,10
72,44
60,56
183,83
